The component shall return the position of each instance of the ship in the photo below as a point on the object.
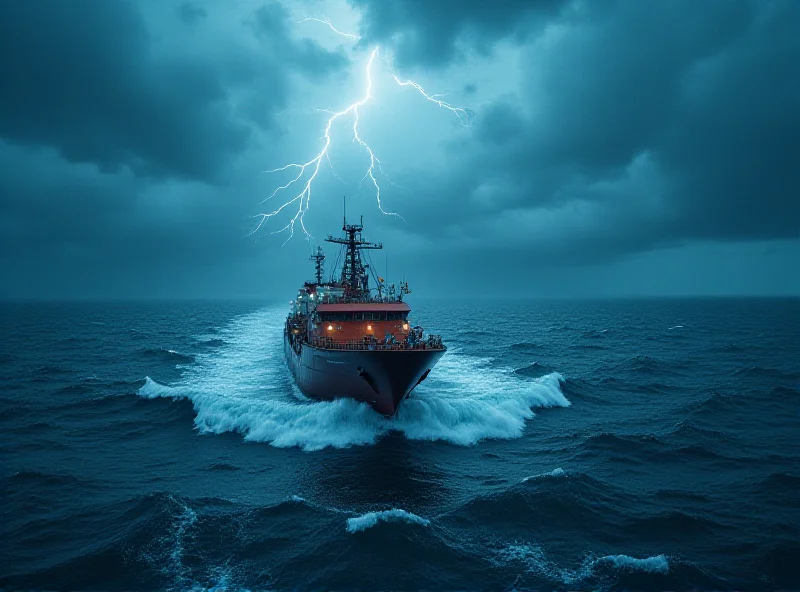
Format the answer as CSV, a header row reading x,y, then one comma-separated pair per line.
x,y
344,338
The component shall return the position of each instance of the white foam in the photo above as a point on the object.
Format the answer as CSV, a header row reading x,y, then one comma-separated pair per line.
x,y
536,561
244,386
656,564
554,473
370,519
675,327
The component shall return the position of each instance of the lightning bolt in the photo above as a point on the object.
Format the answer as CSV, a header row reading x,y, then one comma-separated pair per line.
x,y
327,21
464,116
303,198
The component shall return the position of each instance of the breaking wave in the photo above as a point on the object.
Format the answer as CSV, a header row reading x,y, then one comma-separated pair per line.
x,y
657,564
245,387
554,473
536,561
167,355
370,519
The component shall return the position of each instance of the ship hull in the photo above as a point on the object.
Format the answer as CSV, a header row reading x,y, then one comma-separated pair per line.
x,y
380,378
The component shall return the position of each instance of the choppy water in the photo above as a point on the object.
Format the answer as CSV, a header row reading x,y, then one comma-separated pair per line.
x,y
557,445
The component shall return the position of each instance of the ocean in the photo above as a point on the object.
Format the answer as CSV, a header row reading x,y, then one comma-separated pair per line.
x,y
558,445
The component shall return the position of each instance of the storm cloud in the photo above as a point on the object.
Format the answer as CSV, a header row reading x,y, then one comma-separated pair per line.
x,y
89,79
613,139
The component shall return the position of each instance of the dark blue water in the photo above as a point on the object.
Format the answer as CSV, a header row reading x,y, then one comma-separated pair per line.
x,y
557,446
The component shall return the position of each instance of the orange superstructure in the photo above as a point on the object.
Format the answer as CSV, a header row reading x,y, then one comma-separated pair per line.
x,y
355,321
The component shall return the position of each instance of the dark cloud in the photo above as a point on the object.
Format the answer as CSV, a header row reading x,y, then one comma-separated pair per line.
x,y
272,25
645,126
190,13
81,76
86,78
427,32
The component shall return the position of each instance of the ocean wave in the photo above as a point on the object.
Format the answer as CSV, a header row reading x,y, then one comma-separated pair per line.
x,y
537,562
525,346
779,565
213,342
731,348
554,473
581,389
222,467
656,564
762,372
245,387
642,364
534,370
571,502
605,442
167,355
370,519
52,370
781,483
673,524
41,479
682,495
587,346
717,403
784,391
595,333
689,431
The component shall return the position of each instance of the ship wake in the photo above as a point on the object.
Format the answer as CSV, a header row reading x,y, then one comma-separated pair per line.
x,y
245,387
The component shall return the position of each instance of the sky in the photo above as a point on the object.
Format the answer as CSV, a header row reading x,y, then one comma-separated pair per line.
x,y
609,148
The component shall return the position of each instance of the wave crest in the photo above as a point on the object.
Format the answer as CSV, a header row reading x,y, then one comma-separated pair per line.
x,y
656,564
370,519
537,562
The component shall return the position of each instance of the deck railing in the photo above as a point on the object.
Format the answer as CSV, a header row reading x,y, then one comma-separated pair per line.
x,y
433,344
327,299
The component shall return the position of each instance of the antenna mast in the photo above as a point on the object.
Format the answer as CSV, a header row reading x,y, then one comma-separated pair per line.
x,y
354,276
318,258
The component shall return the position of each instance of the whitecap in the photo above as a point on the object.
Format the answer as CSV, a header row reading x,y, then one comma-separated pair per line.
x,y
656,564
559,472
536,561
370,519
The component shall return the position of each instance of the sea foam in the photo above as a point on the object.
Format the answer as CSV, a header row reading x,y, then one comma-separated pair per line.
x,y
559,472
244,386
536,561
370,519
656,564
